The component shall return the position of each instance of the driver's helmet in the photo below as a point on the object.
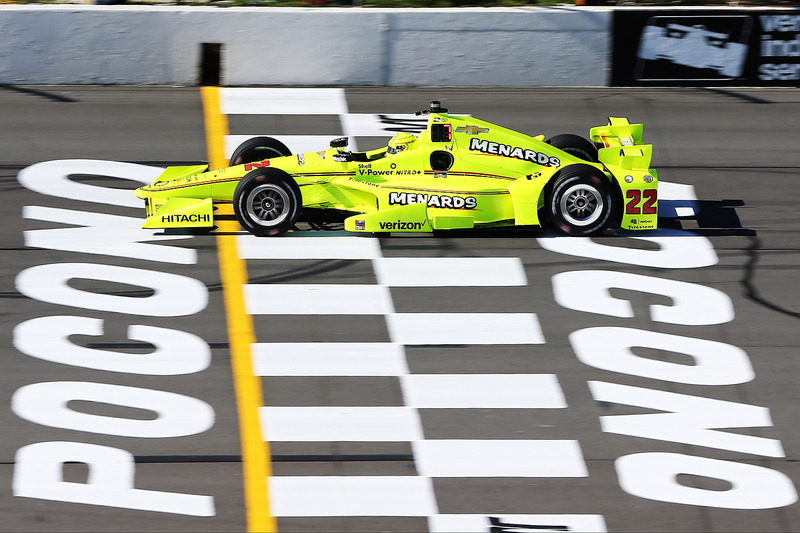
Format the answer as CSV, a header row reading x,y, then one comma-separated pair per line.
x,y
400,142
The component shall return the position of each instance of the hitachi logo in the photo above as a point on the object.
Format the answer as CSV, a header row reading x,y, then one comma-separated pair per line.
x,y
173,219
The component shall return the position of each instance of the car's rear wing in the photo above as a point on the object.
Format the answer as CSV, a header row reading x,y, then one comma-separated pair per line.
x,y
618,132
622,143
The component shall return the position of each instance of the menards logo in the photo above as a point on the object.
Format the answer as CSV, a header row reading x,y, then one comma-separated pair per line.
x,y
433,200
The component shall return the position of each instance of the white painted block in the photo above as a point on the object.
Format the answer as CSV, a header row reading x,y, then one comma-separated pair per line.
x,y
450,271
499,458
495,391
282,101
351,496
465,328
676,191
317,299
354,424
329,359
308,247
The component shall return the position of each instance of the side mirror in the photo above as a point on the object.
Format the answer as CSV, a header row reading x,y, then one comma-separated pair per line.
x,y
339,143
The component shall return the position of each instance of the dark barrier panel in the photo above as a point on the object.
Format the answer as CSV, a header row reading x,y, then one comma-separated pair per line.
x,y
706,47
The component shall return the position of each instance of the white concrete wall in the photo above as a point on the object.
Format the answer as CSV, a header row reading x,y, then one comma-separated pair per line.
x,y
66,44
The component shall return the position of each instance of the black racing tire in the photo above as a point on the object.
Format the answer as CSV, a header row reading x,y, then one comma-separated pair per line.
x,y
575,145
267,202
258,149
580,202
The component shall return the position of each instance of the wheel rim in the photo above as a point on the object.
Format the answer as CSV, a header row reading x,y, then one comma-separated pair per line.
x,y
268,205
581,205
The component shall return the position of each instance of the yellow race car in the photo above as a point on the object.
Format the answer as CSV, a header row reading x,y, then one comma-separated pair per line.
x,y
461,172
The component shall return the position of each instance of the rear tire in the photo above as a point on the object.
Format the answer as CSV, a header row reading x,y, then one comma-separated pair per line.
x,y
580,202
575,145
267,202
258,149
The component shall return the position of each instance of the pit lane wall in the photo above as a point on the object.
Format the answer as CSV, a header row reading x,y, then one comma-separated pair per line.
x,y
500,47
132,45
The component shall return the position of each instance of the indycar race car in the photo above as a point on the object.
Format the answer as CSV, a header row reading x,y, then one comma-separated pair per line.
x,y
460,172
693,46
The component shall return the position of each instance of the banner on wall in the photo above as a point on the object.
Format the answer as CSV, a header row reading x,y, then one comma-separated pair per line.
x,y
706,47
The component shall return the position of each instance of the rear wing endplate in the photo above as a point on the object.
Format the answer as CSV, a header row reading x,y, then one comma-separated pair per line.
x,y
629,158
622,143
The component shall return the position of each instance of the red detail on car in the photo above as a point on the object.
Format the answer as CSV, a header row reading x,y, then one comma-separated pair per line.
x,y
258,164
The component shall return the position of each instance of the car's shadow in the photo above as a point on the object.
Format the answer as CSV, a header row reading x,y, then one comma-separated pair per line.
x,y
676,217
709,218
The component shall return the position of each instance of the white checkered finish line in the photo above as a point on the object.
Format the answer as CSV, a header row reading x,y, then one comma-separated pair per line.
x,y
352,425
412,494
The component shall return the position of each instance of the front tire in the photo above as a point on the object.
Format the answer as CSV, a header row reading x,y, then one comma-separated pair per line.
x,y
581,201
267,202
258,149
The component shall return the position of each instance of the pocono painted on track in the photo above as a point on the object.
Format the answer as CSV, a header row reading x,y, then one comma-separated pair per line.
x,y
504,308
37,472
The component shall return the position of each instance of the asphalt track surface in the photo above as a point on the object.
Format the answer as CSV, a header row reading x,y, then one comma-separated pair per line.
x,y
542,441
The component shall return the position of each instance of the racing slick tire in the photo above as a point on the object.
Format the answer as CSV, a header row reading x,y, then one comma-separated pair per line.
x,y
258,149
267,202
581,201
575,145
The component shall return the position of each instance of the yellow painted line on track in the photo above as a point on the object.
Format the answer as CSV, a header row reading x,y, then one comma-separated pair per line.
x,y
256,461
216,127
